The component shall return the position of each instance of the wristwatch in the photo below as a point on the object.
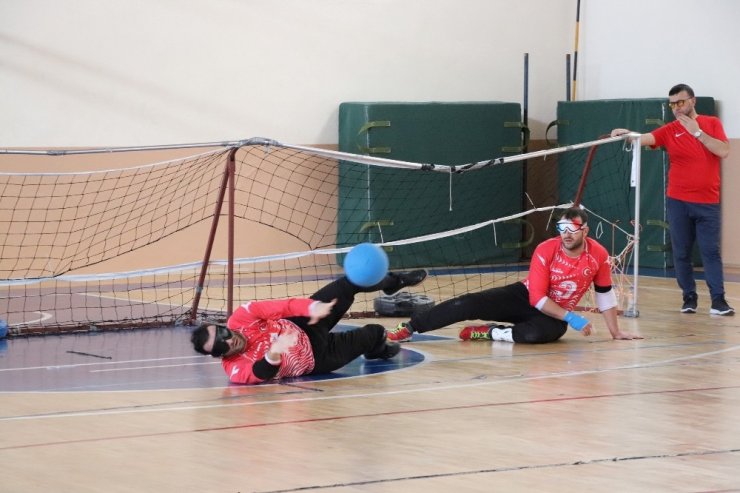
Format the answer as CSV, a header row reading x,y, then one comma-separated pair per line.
x,y
698,133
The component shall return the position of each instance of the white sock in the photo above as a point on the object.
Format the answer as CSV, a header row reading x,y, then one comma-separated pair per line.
x,y
501,334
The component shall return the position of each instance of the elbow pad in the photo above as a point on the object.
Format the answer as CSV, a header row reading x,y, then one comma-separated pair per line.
x,y
605,301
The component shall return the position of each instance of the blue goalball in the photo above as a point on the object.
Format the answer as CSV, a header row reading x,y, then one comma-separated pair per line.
x,y
366,264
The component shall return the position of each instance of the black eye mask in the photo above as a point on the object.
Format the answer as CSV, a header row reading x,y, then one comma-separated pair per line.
x,y
220,346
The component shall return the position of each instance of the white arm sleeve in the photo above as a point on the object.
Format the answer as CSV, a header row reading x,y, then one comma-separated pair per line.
x,y
541,303
605,301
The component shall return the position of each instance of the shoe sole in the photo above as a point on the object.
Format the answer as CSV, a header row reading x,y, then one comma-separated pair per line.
x,y
688,310
721,312
389,336
424,275
407,339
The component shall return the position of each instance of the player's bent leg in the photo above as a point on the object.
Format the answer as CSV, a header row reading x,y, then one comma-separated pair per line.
x,y
343,347
470,306
539,330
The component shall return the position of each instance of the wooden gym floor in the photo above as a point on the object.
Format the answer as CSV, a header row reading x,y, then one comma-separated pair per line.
x,y
583,414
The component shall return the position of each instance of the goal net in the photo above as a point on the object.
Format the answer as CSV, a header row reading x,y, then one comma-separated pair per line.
x,y
173,241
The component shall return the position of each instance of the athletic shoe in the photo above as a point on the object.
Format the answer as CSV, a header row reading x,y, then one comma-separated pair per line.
x,y
411,278
389,350
720,307
402,333
689,303
489,332
501,333
476,333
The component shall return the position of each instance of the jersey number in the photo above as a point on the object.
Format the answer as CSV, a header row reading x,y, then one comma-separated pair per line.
x,y
566,289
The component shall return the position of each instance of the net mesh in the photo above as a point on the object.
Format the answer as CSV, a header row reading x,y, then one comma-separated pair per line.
x,y
124,247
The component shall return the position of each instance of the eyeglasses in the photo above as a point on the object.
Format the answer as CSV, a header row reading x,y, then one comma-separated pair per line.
x,y
568,226
678,103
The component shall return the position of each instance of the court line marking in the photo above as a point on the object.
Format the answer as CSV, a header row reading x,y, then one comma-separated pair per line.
x,y
357,416
426,359
150,367
215,362
44,316
314,398
697,453
99,363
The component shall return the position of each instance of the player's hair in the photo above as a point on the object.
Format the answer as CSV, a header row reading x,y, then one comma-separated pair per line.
x,y
681,87
199,338
575,212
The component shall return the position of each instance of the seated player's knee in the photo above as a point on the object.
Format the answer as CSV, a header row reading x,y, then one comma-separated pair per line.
x,y
536,335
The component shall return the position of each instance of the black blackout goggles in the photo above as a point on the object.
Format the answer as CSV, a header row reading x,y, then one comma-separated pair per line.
x,y
220,346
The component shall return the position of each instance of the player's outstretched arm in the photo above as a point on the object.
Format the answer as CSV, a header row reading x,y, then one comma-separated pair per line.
x,y
610,317
645,139
319,310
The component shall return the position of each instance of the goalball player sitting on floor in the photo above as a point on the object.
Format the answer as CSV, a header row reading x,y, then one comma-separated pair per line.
x,y
271,339
540,307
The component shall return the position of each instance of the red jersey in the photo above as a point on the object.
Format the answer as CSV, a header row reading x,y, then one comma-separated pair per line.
x,y
565,279
260,322
693,175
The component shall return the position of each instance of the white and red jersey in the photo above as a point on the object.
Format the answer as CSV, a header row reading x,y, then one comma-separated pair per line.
x,y
260,322
563,279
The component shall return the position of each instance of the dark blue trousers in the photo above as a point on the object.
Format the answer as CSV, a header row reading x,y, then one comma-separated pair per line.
x,y
689,223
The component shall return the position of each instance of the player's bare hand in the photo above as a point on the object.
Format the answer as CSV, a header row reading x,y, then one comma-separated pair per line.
x,y
688,123
284,342
319,310
588,330
625,336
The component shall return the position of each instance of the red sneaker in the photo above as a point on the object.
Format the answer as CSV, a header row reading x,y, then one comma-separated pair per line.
x,y
476,333
402,333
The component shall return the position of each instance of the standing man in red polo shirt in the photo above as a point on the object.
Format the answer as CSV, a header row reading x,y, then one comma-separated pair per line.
x,y
695,144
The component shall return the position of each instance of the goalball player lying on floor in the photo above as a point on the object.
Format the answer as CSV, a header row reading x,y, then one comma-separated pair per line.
x,y
272,339
540,307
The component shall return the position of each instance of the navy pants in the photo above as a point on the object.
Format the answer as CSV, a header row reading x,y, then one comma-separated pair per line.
x,y
689,223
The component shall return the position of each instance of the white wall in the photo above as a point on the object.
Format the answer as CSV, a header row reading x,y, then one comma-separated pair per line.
x,y
640,48
139,72
135,72
626,55
144,72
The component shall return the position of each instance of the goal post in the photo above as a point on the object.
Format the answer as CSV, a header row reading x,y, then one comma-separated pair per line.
x,y
102,246
632,309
